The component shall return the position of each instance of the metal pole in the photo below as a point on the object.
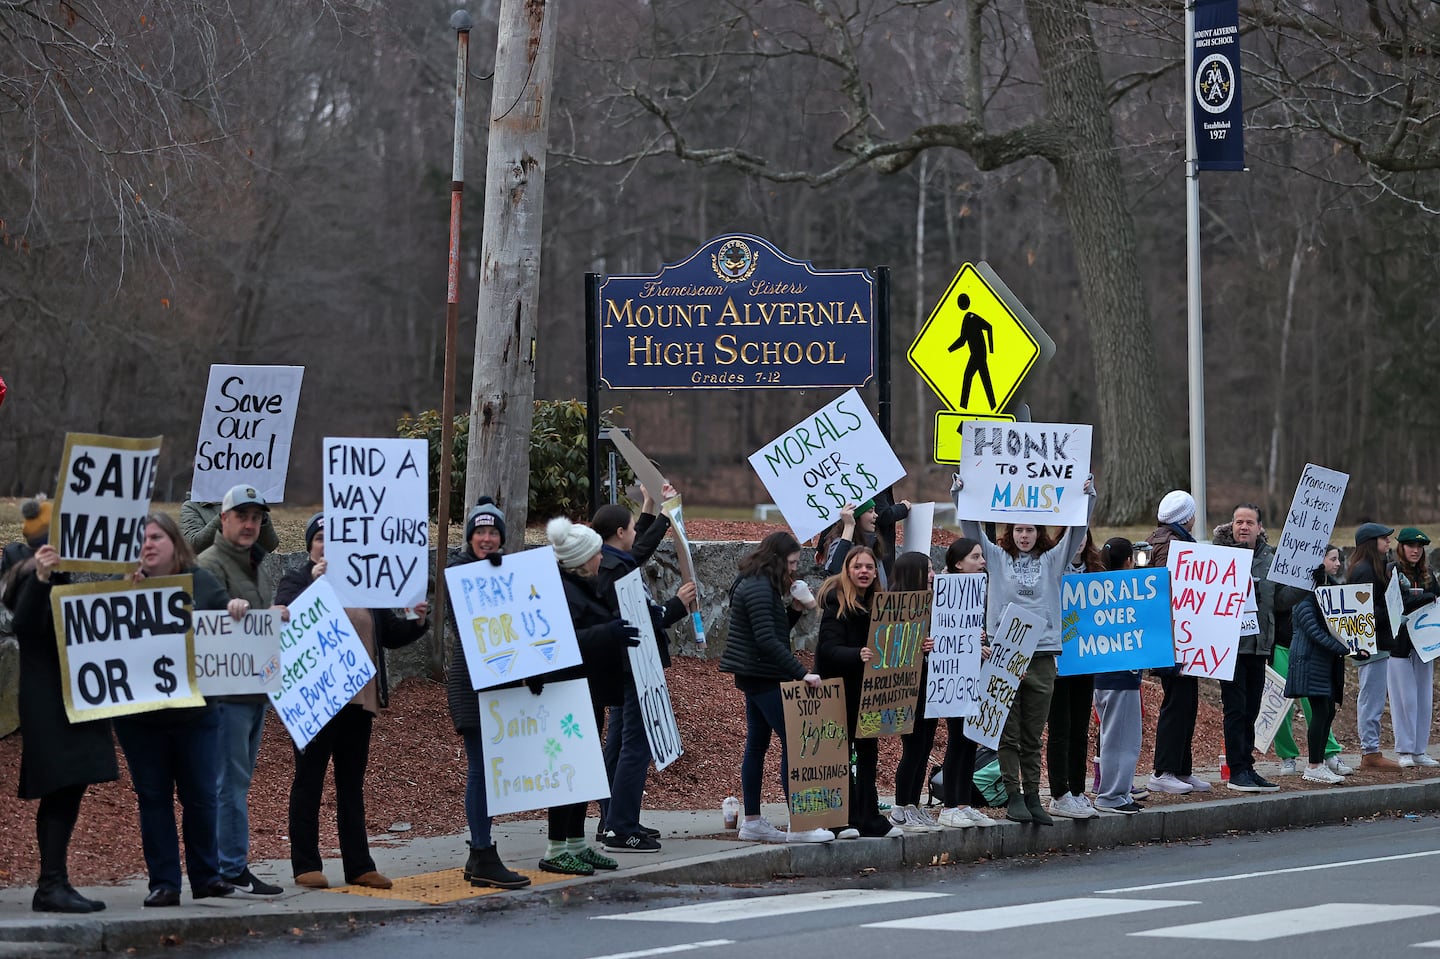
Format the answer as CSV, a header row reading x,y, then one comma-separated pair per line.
x,y
1194,319
592,385
882,345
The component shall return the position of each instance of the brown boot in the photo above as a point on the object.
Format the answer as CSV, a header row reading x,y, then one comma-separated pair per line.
x,y
371,880
312,880
1378,762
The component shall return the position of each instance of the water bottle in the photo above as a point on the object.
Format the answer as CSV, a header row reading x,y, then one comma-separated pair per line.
x,y
730,812
699,625
1224,768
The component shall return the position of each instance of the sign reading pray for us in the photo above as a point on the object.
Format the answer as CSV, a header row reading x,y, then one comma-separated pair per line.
x,y
235,657
323,663
245,431
890,689
1011,650
377,521
661,730
1115,621
1024,473
817,754
541,750
957,623
99,515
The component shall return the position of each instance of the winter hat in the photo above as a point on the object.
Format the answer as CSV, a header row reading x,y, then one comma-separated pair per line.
x,y
574,544
312,526
1178,507
1412,535
485,513
37,520
1368,531
243,495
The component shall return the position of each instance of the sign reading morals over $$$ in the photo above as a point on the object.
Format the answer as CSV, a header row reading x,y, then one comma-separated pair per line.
x,y
818,754
246,426
98,522
1025,473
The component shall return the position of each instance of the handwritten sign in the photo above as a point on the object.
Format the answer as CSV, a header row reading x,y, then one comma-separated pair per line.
x,y
377,521
1394,604
124,648
1308,525
1011,650
1115,621
817,754
246,426
513,619
323,663
1424,626
673,509
1250,612
235,657
661,730
1207,595
1274,707
1349,613
919,528
104,495
541,750
1024,473
957,621
890,688
833,457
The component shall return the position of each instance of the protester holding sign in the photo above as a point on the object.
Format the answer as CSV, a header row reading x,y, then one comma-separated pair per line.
x,y
1317,672
1067,746
200,522
913,573
1285,747
1367,566
957,768
1410,680
1117,708
855,527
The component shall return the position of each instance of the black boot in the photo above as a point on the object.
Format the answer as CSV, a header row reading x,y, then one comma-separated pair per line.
x,y
484,868
1016,810
1038,814
53,824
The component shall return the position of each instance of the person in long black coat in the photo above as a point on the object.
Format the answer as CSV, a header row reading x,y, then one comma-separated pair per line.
x,y
1317,672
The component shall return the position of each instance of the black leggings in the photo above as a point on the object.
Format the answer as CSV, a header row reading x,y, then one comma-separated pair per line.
x,y
54,822
1322,714
957,776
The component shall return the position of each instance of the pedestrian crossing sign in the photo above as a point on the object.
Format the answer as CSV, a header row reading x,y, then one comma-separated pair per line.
x,y
947,432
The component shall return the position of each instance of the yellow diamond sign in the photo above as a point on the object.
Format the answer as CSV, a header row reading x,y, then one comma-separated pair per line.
x,y
947,432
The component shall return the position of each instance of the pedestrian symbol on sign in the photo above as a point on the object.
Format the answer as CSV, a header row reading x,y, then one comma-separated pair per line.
x,y
979,336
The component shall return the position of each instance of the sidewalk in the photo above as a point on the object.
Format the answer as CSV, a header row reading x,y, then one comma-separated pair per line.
x,y
427,872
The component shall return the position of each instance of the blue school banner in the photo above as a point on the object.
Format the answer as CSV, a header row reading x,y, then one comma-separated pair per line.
x,y
1215,85
1115,621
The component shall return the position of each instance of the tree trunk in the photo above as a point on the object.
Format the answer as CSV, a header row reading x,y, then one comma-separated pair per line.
x,y
503,391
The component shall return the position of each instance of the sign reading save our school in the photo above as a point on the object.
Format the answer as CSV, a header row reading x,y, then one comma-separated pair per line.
x,y
737,313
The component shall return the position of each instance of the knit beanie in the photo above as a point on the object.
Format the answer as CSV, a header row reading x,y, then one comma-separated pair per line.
x,y
1177,507
313,526
37,520
485,513
574,544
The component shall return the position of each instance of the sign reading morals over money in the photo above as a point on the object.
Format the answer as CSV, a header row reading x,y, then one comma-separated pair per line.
x,y
832,457
890,687
957,622
512,619
323,663
1207,598
1115,621
1024,473
541,750
1274,707
1308,526
377,521
661,730
245,430
817,754
237,657
1011,649
99,515
125,648
1349,613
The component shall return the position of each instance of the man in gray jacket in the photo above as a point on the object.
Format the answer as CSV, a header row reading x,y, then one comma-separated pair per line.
x,y
1241,695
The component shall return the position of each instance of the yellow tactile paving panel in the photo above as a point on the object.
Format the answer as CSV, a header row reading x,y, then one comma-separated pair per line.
x,y
443,887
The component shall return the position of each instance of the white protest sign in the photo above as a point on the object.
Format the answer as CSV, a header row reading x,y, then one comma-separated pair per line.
x,y
661,729
1349,613
1207,595
1010,651
832,457
512,619
952,670
1308,525
323,663
672,508
1424,626
124,648
1024,473
541,751
1394,603
245,429
1274,707
1250,612
377,521
98,521
236,657
919,528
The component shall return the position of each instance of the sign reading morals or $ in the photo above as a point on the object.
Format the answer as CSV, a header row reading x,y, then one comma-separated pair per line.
x,y
890,687
245,430
1115,621
957,622
818,754
1207,597
125,648
1025,473
1424,626
377,521
832,457
98,522
1011,649
1349,613
1274,707
512,619
1308,526
541,750
236,657
661,730
323,663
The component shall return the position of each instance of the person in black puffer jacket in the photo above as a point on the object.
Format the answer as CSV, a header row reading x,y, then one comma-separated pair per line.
x,y
1317,672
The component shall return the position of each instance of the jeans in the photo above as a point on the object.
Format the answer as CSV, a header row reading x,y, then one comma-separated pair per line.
x,y
345,741
1067,750
240,727
1175,726
477,812
764,714
166,756
630,767
1020,739
1285,746
1370,703
1120,735
1240,698
1411,683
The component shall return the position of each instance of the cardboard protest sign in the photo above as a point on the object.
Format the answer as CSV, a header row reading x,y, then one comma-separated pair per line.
x,y
512,619
890,689
640,464
541,751
1424,626
672,508
661,730
1274,707
817,754
323,664
98,521
1207,594
832,457
919,528
1349,613
236,657
957,621
1010,652
1024,473
377,521
245,429
1308,525
1111,622
125,648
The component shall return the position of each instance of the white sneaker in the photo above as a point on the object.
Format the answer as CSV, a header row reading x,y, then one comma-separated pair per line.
x,y
760,830
977,817
955,819
1407,761
1337,766
1082,801
1322,774
895,833
810,835
1170,783
1069,807
907,819
928,819
849,832
1288,767
1196,783
1425,759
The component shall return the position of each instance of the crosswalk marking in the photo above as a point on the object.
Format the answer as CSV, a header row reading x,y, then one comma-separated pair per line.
x,y
1342,864
667,950
1290,922
731,910
1028,914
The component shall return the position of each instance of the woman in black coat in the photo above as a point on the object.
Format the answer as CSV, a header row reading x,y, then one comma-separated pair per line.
x,y
1317,672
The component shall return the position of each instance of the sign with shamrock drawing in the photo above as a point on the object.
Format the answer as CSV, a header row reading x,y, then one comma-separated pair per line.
x,y
541,750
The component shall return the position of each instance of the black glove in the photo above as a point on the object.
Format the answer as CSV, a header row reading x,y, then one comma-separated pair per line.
x,y
495,558
535,684
623,632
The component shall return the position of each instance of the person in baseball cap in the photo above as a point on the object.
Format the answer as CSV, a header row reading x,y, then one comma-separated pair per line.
x,y
243,495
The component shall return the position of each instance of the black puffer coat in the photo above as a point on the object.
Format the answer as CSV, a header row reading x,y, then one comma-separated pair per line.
x,y
1317,659
758,643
